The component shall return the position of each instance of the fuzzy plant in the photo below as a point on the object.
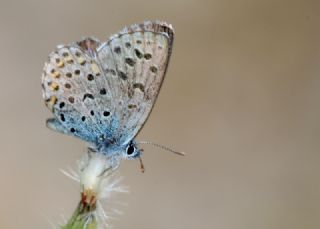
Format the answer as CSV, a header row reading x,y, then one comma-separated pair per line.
x,y
98,182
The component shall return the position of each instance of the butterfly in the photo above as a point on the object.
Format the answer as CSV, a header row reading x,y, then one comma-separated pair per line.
x,y
103,92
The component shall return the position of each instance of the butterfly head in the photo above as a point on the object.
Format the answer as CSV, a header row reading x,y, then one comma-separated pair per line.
x,y
131,151
114,152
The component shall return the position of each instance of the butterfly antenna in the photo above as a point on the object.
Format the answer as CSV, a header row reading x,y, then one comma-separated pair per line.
x,y
163,147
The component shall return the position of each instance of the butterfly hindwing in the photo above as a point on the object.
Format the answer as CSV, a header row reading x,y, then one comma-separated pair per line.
x,y
100,91
73,95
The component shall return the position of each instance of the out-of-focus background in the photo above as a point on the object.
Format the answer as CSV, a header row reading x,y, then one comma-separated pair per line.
x,y
242,97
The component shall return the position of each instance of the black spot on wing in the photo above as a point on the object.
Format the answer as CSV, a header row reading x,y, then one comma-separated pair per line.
x,y
122,75
117,50
130,61
87,95
103,91
90,77
138,53
139,86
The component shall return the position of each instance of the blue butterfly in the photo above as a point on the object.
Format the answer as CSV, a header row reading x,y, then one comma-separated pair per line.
x,y
103,92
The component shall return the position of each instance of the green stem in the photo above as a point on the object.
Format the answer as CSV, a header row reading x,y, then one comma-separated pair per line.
x,y
82,219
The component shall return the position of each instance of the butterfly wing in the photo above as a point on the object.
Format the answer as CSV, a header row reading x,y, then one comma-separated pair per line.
x,y
107,91
135,60
75,91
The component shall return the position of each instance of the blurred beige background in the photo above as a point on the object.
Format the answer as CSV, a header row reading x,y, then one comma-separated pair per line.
x,y
242,97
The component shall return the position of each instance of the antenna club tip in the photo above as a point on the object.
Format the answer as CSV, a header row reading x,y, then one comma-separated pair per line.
x,y
183,153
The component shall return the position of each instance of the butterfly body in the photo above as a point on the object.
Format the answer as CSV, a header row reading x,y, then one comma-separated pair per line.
x,y
103,92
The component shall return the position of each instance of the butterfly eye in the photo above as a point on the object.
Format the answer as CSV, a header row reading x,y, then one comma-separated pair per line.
x,y
130,150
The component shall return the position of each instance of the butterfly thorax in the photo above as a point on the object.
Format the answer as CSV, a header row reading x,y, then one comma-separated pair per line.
x,y
116,150
109,147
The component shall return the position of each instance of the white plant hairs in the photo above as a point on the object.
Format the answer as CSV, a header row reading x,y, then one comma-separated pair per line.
x,y
98,186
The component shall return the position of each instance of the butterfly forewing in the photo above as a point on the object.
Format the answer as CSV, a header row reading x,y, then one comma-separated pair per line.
x,y
139,55
108,92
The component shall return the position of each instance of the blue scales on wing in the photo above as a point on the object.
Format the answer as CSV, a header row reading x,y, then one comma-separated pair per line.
x,y
104,91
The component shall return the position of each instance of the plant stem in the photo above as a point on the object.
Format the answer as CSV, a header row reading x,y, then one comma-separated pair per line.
x,y
82,218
